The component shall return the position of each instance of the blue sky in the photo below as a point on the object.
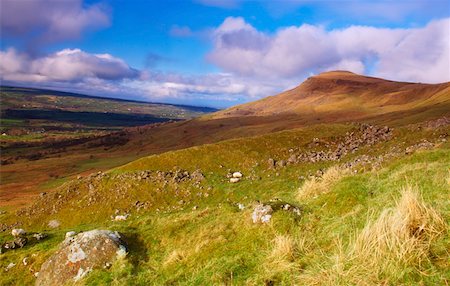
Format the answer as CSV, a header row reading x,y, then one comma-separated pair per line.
x,y
217,52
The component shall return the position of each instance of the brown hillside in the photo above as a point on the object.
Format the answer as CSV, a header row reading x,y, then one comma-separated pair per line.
x,y
340,91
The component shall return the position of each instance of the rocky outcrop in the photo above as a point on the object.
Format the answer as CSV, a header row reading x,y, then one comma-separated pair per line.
x,y
366,135
78,255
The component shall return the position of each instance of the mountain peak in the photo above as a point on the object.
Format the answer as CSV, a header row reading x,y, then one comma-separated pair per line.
x,y
335,73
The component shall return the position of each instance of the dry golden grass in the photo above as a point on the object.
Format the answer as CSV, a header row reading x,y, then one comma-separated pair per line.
x,y
175,256
399,240
281,257
316,186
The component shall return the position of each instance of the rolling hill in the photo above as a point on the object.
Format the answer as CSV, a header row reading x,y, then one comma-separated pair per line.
x,y
332,97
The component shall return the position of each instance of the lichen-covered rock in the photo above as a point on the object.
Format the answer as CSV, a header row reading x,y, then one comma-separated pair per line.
x,y
80,254
262,214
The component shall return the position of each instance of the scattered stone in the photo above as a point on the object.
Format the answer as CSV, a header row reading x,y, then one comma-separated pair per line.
x,y
292,159
234,180
194,208
262,213
281,163
54,223
197,176
18,242
25,261
11,265
240,206
121,217
80,254
237,175
39,236
271,162
18,232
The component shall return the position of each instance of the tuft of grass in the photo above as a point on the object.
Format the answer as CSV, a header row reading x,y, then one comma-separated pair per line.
x,y
397,244
174,257
316,186
281,257
401,235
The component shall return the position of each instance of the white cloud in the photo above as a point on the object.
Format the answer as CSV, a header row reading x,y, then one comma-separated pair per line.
x,y
416,54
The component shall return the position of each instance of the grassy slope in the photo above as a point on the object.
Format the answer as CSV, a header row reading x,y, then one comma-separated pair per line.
x,y
332,99
217,244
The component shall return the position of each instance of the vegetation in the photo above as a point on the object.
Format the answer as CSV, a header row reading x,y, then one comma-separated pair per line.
x,y
385,224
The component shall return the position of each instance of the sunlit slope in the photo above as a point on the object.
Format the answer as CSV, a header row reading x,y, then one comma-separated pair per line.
x,y
339,91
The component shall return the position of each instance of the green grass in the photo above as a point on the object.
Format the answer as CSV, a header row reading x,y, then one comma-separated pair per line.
x,y
217,244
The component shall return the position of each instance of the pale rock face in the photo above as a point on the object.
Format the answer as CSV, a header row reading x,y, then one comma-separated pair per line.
x,y
80,254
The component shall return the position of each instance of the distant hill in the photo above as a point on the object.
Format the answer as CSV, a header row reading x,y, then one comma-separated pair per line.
x,y
14,98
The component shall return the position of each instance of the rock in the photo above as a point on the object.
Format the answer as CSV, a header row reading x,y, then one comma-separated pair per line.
x,y
70,234
281,163
197,176
80,254
262,214
18,242
292,159
234,180
121,217
39,236
25,261
18,232
54,223
240,206
237,175
11,265
271,162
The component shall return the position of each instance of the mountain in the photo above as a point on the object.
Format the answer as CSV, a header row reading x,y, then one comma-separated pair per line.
x,y
347,96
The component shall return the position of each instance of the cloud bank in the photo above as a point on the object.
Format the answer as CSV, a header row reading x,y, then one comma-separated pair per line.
x,y
68,65
416,54
51,21
252,63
